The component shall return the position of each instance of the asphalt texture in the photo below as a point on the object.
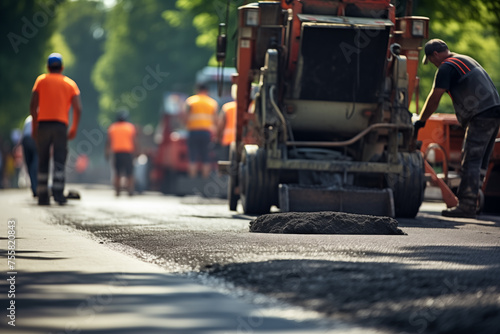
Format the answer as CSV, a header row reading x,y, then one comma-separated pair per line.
x,y
441,276
324,222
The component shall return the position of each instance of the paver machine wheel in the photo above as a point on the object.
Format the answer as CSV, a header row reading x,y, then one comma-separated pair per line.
x,y
408,187
258,185
232,185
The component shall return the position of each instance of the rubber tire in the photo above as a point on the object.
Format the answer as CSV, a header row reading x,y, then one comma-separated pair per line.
x,y
408,188
233,178
258,185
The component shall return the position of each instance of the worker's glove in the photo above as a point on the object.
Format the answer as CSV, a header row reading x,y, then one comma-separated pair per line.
x,y
418,125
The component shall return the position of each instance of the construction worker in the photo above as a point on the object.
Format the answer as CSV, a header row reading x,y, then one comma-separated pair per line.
x,y
122,144
52,97
477,107
201,118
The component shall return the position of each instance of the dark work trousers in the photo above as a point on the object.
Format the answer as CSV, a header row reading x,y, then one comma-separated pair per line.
x,y
51,134
31,159
478,144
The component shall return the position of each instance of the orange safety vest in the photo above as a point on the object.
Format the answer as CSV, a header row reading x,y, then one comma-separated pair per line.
x,y
121,137
202,109
228,136
55,92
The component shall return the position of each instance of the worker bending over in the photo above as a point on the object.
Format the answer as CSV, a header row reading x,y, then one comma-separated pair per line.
x,y
477,107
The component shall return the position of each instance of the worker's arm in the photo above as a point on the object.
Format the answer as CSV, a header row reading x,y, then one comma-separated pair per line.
x,y
34,114
431,104
76,103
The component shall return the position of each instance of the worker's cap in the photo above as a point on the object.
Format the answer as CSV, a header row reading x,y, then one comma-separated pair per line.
x,y
122,115
55,60
201,87
434,45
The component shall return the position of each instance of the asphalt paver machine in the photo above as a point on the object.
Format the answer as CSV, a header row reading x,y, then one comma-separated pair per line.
x,y
323,120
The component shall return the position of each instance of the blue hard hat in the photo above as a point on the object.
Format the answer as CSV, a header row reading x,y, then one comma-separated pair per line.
x,y
55,60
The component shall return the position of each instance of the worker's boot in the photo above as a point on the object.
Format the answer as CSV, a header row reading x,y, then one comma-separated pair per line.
x,y
43,199
60,198
460,211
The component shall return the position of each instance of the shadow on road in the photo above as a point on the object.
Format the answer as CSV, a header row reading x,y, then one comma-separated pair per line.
x,y
437,290
126,303
433,220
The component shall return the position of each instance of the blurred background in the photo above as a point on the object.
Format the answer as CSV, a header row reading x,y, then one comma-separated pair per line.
x,y
134,55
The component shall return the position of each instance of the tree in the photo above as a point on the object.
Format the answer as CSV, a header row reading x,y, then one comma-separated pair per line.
x,y
81,27
206,16
144,57
486,12
27,26
468,27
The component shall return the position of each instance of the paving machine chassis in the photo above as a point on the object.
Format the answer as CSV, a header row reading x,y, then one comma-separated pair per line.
x,y
322,108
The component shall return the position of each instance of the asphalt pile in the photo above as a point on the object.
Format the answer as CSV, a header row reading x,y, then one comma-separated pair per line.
x,y
324,222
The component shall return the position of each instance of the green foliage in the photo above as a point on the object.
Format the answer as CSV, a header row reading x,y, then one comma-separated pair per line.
x,y
468,27
487,12
144,57
129,55
80,39
27,27
205,16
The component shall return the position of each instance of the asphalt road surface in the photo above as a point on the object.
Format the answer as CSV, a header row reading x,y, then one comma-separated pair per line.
x,y
443,276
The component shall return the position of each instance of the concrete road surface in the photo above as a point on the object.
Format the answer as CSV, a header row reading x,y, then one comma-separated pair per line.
x,y
155,263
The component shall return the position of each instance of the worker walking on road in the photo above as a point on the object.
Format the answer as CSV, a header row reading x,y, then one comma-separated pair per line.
x,y
52,97
201,119
477,107
122,144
